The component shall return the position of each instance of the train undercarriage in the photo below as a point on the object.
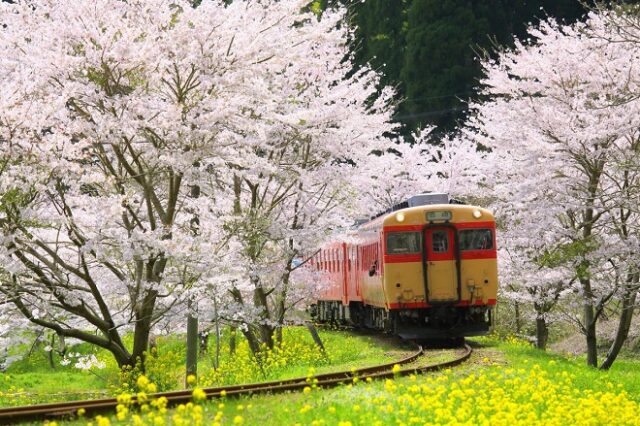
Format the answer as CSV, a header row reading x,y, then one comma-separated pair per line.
x,y
437,322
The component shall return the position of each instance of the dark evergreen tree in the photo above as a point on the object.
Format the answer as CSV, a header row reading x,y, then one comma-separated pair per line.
x,y
428,48
441,70
380,36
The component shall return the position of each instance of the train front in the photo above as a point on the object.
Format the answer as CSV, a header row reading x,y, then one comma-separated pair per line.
x,y
439,272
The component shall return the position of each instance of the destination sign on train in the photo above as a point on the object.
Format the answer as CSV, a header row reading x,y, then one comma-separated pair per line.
x,y
438,215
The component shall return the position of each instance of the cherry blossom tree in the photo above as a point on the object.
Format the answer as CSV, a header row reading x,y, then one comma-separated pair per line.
x,y
455,166
122,126
303,178
562,126
323,166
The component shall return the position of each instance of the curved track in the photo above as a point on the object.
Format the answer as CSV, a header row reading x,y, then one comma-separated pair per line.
x,y
69,409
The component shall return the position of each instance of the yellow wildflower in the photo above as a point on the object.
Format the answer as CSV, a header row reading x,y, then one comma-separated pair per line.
x,y
191,379
142,382
199,395
103,421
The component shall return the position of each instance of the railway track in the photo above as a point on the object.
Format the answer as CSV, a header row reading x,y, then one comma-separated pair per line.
x,y
69,409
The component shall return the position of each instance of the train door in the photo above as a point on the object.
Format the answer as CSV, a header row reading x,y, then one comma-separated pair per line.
x,y
442,282
344,272
358,267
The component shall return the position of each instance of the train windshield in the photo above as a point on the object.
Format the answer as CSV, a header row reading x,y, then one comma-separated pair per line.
x,y
403,242
476,239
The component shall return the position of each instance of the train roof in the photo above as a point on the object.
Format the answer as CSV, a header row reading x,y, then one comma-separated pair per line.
x,y
426,198
435,213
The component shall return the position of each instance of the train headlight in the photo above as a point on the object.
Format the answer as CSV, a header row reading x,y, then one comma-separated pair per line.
x,y
400,217
477,214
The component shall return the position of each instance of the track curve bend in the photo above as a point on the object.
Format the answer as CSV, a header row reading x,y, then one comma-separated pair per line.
x,y
14,415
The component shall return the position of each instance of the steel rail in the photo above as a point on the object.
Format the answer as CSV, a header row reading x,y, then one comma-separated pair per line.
x,y
39,412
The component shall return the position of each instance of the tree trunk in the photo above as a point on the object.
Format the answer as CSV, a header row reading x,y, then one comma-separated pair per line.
x,y
518,321
50,355
232,341
203,337
260,301
589,327
281,306
542,333
254,343
628,307
216,359
142,330
590,335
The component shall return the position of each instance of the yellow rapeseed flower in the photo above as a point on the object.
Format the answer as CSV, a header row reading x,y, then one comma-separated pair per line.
x,y
124,398
142,382
199,395
103,421
305,408
191,379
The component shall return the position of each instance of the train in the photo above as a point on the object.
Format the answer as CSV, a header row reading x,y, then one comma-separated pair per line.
x,y
424,269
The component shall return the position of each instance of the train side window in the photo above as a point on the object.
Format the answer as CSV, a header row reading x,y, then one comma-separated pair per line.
x,y
440,241
403,242
476,239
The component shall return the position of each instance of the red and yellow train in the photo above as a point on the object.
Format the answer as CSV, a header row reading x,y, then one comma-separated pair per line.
x,y
426,269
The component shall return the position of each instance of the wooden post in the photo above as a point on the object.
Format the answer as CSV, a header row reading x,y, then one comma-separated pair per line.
x,y
192,344
316,337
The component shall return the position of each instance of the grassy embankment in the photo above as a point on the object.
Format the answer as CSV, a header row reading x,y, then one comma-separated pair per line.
x,y
32,380
504,383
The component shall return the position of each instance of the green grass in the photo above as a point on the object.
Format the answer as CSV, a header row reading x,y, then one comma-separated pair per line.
x,y
513,375
504,382
32,380
624,372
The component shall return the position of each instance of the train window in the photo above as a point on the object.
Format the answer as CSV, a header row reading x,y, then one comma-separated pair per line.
x,y
440,241
403,242
476,239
